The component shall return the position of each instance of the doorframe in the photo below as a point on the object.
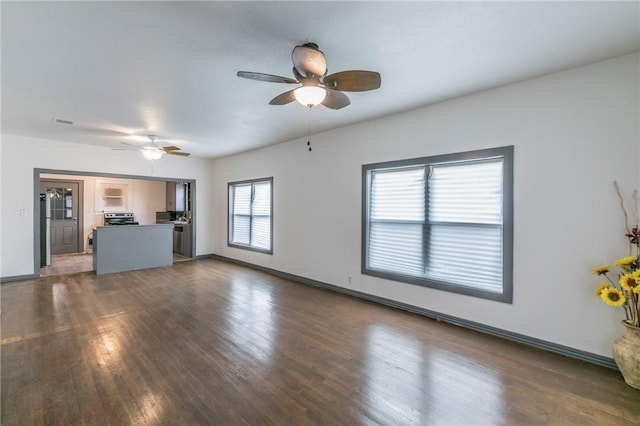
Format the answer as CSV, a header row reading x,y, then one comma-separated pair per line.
x,y
36,203
80,220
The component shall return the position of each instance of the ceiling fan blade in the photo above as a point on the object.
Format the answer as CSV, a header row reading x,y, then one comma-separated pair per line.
x,y
170,148
336,100
183,154
266,77
353,81
131,144
283,98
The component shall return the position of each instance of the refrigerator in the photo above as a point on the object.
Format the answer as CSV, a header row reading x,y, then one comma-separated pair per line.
x,y
45,230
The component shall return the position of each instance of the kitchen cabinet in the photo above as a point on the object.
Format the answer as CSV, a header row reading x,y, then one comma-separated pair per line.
x,y
176,197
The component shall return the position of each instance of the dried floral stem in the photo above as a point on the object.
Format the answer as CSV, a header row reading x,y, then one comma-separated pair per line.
x,y
628,311
624,210
636,208
633,302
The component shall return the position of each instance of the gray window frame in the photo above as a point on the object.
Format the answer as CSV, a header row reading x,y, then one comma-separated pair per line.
x,y
506,153
230,215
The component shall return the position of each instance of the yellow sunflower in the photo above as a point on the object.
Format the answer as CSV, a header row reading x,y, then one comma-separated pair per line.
x,y
630,282
624,261
601,270
600,289
613,297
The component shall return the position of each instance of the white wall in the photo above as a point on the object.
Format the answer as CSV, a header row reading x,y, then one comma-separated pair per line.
x,y
574,133
19,156
147,198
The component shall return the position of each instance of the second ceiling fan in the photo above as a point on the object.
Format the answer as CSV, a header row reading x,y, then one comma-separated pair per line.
x,y
153,151
310,70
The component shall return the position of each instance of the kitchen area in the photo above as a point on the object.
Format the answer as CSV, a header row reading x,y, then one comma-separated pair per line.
x,y
128,223
178,213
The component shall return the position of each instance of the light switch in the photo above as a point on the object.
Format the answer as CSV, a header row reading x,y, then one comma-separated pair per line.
x,y
23,212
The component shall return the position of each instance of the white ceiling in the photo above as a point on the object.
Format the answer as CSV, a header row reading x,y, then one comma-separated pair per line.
x,y
169,68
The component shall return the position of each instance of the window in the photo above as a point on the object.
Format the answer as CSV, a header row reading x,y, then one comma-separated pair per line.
x,y
443,222
250,218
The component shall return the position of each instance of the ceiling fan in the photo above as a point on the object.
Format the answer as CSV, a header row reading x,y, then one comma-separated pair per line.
x,y
310,70
153,151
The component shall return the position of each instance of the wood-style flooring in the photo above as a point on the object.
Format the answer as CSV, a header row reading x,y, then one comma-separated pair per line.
x,y
62,264
212,343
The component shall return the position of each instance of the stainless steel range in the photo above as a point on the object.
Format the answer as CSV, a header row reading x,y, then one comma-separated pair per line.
x,y
111,219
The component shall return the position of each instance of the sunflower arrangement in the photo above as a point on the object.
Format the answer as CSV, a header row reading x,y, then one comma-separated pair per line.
x,y
625,292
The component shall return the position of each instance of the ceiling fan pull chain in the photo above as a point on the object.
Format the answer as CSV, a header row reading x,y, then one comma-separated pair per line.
x,y
309,128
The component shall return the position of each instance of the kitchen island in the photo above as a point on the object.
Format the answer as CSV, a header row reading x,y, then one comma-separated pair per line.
x,y
131,247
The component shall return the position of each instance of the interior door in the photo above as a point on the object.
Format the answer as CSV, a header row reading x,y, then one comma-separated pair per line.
x,y
63,214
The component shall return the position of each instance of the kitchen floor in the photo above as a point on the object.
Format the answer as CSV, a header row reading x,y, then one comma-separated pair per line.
x,y
63,264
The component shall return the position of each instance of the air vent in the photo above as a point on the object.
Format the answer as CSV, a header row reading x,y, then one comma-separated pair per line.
x,y
61,121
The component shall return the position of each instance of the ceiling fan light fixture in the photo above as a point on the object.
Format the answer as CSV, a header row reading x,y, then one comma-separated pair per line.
x,y
310,96
152,153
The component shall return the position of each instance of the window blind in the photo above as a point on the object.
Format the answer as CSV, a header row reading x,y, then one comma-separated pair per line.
x,y
261,215
241,214
396,220
250,214
465,225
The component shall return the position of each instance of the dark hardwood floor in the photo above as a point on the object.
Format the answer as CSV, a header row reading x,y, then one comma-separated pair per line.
x,y
209,342
62,264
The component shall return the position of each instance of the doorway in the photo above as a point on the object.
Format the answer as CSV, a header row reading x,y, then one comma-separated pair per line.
x,y
81,260
62,217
